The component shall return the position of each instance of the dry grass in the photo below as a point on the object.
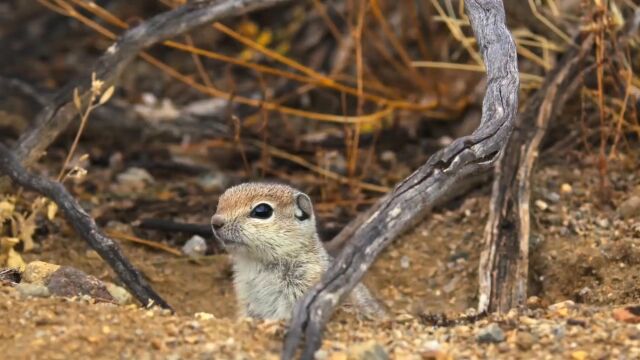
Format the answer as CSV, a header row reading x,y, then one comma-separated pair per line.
x,y
370,20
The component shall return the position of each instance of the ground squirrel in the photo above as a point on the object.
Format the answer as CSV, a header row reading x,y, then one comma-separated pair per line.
x,y
270,232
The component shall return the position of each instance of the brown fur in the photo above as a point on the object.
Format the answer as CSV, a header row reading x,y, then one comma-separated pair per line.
x,y
275,260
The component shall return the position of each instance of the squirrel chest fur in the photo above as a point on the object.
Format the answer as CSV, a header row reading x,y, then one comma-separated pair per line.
x,y
270,233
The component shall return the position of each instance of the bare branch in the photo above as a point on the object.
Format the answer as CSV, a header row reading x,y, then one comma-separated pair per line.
x,y
504,261
416,195
84,226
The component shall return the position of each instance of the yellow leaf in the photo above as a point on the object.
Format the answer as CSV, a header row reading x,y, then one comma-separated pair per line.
x,y
52,210
76,99
26,227
15,261
265,38
247,54
248,29
107,95
6,209
8,256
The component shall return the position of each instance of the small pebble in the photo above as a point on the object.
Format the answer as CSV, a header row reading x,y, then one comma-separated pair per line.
x,y
121,295
369,350
525,340
405,262
35,290
541,205
204,316
552,196
630,207
213,182
135,175
534,302
195,247
492,333
603,223
562,305
321,355
566,188
627,314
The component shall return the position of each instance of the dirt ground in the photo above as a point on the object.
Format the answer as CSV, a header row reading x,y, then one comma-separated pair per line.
x,y
582,251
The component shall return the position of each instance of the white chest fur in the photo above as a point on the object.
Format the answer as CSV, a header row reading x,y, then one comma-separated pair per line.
x,y
270,291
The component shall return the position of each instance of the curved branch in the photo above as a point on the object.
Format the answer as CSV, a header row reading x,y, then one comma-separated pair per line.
x,y
426,187
84,226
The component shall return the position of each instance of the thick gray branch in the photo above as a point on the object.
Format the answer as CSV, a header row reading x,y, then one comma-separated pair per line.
x,y
417,194
504,261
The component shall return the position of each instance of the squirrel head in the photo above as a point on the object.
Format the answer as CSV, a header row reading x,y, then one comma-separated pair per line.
x,y
265,221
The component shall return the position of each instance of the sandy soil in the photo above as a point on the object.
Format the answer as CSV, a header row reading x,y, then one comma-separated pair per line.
x,y
581,251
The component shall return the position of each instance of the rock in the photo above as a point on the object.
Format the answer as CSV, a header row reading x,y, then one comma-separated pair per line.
x,y
552,196
585,291
119,293
321,355
492,333
567,304
566,188
559,331
630,208
405,262
204,316
534,302
579,355
541,205
525,340
38,272
133,179
627,314
195,247
603,223
389,157
68,282
35,290
432,349
369,350
213,182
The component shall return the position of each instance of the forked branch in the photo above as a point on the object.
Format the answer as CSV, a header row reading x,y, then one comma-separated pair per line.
x,y
426,187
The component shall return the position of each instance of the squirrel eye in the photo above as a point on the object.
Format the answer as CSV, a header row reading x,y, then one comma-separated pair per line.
x,y
262,211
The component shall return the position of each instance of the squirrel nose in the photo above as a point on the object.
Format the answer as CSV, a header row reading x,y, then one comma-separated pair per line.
x,y
217,221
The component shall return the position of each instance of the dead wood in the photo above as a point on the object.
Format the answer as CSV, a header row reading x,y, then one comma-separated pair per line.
x,y
84,225
415,196
504,263
57,115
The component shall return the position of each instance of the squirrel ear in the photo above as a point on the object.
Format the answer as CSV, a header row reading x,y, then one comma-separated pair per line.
x,y
304,208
